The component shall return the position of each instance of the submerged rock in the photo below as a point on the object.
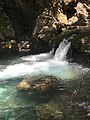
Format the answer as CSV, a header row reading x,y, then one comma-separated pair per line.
x,y
24,85
48,112
47,85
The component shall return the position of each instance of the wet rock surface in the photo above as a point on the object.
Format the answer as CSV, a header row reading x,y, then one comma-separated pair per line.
x,y
48,111
45,85
48,19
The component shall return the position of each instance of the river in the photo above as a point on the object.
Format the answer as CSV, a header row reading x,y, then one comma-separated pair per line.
x,y
12,103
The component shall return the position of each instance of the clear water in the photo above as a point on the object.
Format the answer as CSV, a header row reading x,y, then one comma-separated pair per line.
x,y
13,71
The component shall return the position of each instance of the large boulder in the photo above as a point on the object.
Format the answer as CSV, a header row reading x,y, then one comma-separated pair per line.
x,y
46,85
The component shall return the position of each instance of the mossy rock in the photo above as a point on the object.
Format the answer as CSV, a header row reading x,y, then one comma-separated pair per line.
x,y
48,112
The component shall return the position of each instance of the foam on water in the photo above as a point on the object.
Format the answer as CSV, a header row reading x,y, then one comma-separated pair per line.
x,y
62,50
62,70
39,57
44,63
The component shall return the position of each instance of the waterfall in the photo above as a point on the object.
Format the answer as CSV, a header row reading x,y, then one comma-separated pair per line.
x,y
62,50
42,64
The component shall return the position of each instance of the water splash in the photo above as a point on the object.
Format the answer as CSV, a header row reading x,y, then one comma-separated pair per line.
x,y
11,101
60,54
45,63
39,57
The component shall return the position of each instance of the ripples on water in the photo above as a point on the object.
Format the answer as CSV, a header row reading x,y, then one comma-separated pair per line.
x,y
14,104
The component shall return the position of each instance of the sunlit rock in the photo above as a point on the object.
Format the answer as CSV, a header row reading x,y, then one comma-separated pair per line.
x,y
48,84
44,85
24,85
62,18
81,9
72,20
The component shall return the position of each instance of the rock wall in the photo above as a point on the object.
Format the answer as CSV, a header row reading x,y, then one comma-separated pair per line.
x,y
61,19
43,20
23,14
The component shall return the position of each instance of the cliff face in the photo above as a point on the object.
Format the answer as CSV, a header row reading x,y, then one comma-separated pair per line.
x,y
42,20
64,18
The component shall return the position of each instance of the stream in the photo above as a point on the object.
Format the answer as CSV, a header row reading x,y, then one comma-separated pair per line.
x,y
15,105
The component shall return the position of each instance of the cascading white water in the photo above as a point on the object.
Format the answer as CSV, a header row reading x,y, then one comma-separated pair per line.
x,y
60,53
30,67
62,50
44,63
39,57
